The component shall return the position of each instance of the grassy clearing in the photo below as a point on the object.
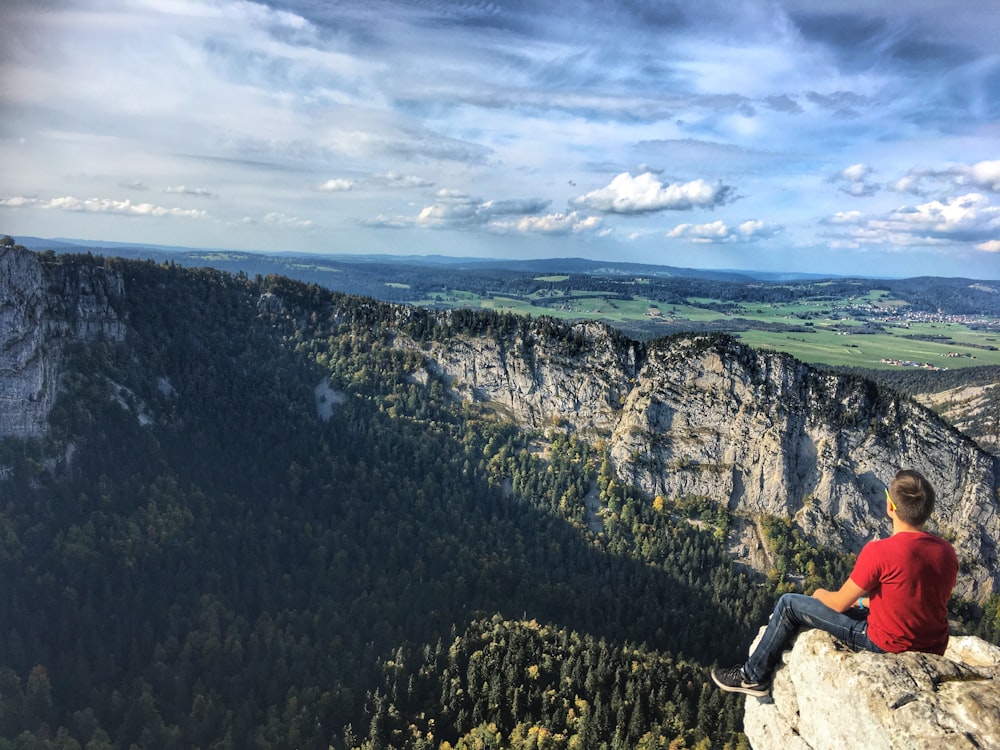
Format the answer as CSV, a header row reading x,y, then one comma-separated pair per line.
x,y
830,348
830,334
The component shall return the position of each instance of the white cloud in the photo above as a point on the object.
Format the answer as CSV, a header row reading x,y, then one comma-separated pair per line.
x,y
337,185
855,173
854,180
984,175
101,206
18,201
559,223
911,182
284,220
456,209
645,193
965,219
396,180
990,246
846,217
184,190
718,231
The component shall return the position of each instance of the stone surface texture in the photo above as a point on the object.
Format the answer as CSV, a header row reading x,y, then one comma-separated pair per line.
x,y
42,309
826,697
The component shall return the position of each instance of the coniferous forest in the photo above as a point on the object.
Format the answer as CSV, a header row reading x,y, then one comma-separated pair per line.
x,y
194,558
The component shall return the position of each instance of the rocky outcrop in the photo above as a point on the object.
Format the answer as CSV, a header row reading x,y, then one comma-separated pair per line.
x,y
972,409
42,308
542,378
766,434
826,697
759,432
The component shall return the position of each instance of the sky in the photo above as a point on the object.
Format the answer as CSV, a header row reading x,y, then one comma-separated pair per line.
x,y
858,137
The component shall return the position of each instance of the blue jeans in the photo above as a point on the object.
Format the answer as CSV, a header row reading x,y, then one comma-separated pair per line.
x,y
795,611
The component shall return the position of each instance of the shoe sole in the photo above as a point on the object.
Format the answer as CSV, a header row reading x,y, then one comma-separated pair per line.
x,y
755,692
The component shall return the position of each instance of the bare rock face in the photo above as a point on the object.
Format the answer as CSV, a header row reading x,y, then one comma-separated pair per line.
x,y
766,434
541,380
41,310
826,697
759,432
971,410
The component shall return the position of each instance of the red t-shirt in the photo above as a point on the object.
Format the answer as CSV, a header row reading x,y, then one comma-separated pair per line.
x,y
909,577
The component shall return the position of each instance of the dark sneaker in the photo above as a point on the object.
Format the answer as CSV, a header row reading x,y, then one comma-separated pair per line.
x,y
732,680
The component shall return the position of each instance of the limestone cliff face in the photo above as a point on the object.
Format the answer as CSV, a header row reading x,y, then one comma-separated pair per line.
x,y
41,310
539,379
764,433
826,697
759,432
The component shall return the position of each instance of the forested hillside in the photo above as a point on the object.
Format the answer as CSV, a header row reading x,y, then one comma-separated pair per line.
x,y
204,553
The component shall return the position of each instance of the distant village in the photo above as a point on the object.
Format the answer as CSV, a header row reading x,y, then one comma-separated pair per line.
x,y
909,363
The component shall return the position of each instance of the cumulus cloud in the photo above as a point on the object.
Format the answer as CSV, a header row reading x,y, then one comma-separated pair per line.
x,y
337,185
455,209
983,175
718,232
853,180
18,201
966,219
646,194
571,222
911,182
990,246
101,206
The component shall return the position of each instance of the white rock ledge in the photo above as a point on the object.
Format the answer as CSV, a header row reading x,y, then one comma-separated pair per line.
x,y
827,697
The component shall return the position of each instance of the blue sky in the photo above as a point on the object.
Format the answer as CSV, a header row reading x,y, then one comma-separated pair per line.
x,y
855,137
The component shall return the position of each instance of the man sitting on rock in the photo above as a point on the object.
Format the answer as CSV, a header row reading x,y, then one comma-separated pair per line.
x,y
906,579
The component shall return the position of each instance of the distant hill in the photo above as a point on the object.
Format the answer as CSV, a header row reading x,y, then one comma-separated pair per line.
x,y
413,278
242,259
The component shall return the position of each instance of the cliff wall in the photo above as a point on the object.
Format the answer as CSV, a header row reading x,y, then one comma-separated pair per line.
x,y
758,432
42,309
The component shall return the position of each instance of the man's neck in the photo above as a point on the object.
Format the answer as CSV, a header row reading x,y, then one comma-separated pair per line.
x,y
901,527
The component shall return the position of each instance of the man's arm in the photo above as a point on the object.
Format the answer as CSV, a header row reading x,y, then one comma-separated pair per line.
x,y
842,600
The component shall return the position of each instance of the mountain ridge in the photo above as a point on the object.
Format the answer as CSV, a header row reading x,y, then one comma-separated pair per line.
x,y
536,265
685,416
256,513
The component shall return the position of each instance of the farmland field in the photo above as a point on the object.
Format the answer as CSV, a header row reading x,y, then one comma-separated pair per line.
x,y
840,333
884,324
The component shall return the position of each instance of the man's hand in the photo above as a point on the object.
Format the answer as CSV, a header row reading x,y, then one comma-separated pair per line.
x,y
842,600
